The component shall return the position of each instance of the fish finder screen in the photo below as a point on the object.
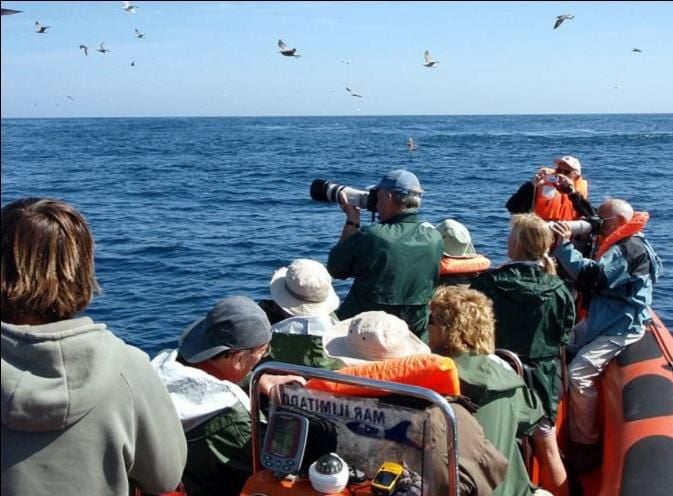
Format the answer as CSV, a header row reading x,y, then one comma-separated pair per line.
x,y
283,440
384,478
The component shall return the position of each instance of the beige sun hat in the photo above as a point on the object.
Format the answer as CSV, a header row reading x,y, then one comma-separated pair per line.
x,y
372,336
304,288
457,239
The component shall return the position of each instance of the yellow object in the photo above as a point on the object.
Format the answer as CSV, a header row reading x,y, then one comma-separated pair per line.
x,y
386,479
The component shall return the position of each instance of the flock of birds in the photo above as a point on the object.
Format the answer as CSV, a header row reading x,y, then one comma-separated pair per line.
x,y
428,61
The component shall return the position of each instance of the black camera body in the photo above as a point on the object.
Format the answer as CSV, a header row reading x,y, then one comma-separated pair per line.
x,y
325,191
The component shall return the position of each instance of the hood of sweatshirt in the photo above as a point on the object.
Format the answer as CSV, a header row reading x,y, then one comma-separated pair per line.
x,y
54,374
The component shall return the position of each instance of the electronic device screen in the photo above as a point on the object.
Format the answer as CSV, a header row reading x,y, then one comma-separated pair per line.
x,y
385,478
285,442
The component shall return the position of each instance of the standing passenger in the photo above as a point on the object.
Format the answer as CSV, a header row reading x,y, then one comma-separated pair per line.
x,y
395,264
82,412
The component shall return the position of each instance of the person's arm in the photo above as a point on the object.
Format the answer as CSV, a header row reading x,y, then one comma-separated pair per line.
x,y
352,223
580,203
160,446
521,202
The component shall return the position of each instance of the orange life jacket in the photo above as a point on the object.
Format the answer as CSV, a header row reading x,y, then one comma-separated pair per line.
x,y
551,204
463,265
634,226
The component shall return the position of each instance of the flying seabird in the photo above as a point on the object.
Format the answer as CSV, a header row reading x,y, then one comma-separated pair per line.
x,y
39,28
133,63
128,7
561,18
353,93
428,62
288,52
411,144
102,48
10,11
139,34
637,50
70,98
85,48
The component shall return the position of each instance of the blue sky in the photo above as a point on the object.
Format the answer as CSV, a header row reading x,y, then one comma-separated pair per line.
x,y
221,58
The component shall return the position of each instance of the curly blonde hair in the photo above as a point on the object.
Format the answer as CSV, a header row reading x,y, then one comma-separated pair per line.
x,y
462,320
530,239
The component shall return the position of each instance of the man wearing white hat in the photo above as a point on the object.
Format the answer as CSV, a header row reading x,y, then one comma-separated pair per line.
x,y
554,194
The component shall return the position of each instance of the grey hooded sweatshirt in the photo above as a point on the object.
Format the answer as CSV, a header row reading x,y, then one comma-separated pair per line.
x,y
84,413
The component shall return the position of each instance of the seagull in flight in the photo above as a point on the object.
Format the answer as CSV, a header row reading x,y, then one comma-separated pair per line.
x,y
139,34
40,28
288,52
70,98
428,62
10,11
102,48
85,48
128,7
561,18
133,63
637,50
353,93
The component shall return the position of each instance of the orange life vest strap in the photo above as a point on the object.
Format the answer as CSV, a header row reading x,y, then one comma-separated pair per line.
x,y
634,226
463,265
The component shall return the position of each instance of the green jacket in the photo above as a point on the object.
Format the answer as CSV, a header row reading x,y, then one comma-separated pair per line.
x,y
508,410
395,266
220,454
534,314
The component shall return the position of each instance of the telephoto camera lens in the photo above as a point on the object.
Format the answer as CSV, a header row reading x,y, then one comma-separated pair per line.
x,y
325,191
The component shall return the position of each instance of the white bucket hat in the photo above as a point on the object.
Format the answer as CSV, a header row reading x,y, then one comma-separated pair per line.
x,y
372,336
571,162
457,239
304,288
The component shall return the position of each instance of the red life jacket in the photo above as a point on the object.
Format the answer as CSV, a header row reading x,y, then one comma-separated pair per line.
x,y
551,204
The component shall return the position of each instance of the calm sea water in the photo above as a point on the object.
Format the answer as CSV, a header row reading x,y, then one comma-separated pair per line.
x,y
188,210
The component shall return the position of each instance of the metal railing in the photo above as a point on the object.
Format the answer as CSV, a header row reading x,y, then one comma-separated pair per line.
x,y
279,368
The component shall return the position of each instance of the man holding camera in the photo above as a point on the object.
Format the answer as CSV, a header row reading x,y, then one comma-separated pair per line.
x,y
617,283
554,194
394,262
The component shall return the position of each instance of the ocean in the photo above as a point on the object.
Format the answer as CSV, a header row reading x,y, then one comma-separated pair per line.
x,y
188,210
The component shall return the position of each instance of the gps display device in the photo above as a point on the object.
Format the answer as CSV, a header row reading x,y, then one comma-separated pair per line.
x,y
285,442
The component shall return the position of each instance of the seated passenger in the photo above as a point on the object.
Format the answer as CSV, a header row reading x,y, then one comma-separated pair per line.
x,y
373,336
82,411
304,300
534,315
462,327
460,263
215,353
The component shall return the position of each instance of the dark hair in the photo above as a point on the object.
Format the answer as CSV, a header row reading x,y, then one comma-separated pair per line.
x,y
47,260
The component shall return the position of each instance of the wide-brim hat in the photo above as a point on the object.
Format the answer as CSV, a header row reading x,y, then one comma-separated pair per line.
x,y
372,336
304,288
457,239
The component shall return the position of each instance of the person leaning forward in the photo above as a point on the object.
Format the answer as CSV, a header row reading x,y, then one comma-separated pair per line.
x,y
394,263
214,355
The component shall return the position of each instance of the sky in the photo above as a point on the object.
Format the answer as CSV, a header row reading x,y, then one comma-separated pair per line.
x,y
222,58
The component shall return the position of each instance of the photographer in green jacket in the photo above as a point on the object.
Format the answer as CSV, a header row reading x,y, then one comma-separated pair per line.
x,y
395,263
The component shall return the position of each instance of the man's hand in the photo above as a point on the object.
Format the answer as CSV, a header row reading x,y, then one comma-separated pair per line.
x,y
561,230
565,184
352,212
539,176
268,381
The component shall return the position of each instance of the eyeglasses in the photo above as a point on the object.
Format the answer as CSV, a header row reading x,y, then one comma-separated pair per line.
x,y
263,352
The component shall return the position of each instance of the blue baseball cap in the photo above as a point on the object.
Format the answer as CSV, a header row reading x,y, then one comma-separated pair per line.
x,y
234,323
400,180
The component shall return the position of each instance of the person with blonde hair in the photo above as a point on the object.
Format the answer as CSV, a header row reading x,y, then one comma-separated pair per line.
x,y
534,313
82,411
463,328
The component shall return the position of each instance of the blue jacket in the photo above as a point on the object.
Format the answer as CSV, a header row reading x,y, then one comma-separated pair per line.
x,y
620,284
